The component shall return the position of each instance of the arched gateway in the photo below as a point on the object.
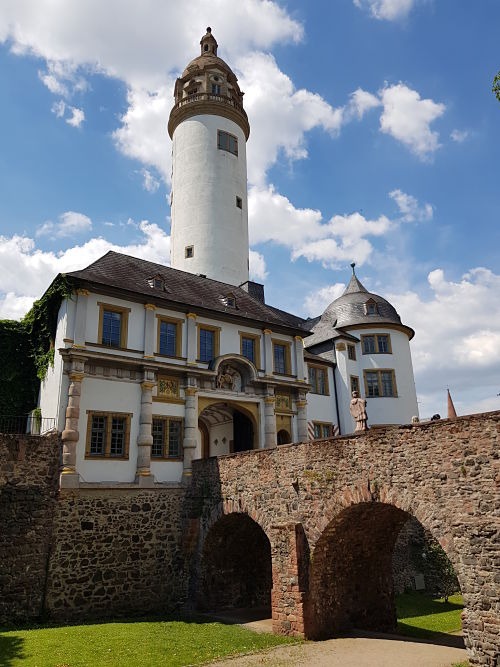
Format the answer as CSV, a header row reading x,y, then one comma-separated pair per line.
x,y
332,511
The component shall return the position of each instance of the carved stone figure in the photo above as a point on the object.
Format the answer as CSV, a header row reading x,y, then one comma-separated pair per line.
x,y
358,412
226,379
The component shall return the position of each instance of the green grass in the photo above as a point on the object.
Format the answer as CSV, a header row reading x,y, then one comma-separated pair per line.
x,y
422,616
129,644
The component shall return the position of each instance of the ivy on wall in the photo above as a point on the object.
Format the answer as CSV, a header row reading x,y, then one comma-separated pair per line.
x,y
27,349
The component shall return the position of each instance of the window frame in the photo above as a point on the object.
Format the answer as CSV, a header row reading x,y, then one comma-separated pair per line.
x,y
178,335
124,312
351,352
166,444
189,252
376,337
288,356
378,372
354,384
315,385
226,146
216,332
106,455
256,340
322,426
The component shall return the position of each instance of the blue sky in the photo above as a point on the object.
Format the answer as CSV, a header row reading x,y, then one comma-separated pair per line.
x,y
374,139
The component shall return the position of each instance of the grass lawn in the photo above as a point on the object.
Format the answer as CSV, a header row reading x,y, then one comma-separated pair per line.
x,y
422,616
141,643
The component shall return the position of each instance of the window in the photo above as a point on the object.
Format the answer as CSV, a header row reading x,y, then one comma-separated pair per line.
x,y
355,383
113,325
371,308
108,435
169,336
229,300
216,89
208,343
167,438
376,344
351,352
250,347
322,430
156,283
239,202
189,251
281,356
380,384
227,142
318,379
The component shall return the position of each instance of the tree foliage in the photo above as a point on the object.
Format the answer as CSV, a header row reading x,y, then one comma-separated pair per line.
x,y
496,86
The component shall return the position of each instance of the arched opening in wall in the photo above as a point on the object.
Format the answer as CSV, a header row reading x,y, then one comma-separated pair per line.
x,y
236,566
283,437
242,432
226,427
352,575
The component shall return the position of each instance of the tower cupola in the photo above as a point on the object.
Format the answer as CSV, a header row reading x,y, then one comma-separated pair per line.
x,y
208,43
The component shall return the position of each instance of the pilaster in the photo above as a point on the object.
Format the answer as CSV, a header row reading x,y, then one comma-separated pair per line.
x,y
192,343
80,317
190,429
299,358
145,437
269,422
149,330
301,405
268,352
70,436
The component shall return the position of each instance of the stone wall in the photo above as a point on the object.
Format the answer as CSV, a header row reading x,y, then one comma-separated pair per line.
x,y
28,490
116,552
446,474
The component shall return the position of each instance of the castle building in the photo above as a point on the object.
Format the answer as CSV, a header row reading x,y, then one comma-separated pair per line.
x,y
158,365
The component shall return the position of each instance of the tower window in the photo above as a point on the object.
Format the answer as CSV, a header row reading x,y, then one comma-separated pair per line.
x,y
216,89
205,48
239,202
227,142
189,251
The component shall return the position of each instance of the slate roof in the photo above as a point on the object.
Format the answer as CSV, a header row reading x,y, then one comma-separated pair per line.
x,y
183,291
349,311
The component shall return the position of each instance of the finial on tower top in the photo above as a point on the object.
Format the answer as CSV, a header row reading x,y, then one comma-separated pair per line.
x,y
208,43
353,264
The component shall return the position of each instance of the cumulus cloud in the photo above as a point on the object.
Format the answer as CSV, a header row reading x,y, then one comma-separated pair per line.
x,y
70,223
457,339
410,209
77,117
19,255
280,114
149,182
388,10
407,117
257,266
459,135
274,219
360,102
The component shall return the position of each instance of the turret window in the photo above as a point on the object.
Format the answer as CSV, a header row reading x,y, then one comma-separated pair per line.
x,y
227,142
380,384
239,202
216,89
189,252
376,344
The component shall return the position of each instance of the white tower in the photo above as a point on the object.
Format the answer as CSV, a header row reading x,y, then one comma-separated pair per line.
x,y
209,129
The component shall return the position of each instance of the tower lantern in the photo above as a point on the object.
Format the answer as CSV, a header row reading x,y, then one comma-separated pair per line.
x,y
209,129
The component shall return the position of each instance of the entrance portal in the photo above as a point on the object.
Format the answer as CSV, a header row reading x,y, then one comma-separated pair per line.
x,y
242,432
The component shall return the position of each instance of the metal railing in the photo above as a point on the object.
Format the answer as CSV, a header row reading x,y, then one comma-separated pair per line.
x,y
26,424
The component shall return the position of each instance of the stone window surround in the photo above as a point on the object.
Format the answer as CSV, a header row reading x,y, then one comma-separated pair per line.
x,y
178,335
288,356
315,386
123,325
216,330
107,443
376,337
351,351
326,429
256,339
167,419
354,383
379,372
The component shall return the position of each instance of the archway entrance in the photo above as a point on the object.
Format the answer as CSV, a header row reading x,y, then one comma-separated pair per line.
x,y
351,583
236,566
227,426
283,437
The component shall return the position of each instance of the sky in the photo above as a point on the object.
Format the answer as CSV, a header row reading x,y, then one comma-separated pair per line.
x,y
374,139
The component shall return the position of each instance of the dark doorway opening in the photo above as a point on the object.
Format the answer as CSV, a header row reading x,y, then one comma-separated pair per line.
x,y
243,432
236,566
283,437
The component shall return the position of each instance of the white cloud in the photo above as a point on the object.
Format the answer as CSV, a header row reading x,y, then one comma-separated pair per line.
x,y
257,268
70,223
281,115
77,117
316,302
149,182
59,108
410,209
360,102
407,118
19,256
459,135
457,341
388,10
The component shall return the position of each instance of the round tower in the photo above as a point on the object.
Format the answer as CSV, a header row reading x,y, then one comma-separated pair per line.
x,y
209,129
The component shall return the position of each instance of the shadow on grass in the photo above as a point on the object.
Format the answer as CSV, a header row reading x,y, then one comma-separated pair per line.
x,y
11,648
410,605
412,633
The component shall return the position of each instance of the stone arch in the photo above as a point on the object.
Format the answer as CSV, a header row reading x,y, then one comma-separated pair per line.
x,y
351,575
244,365
235,565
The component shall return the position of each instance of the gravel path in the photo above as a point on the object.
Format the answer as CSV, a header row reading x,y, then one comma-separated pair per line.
x,y
380,651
